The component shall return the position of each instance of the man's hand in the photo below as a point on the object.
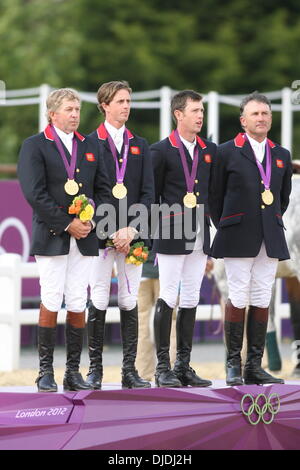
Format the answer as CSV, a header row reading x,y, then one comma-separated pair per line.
x,y
79,229
123,238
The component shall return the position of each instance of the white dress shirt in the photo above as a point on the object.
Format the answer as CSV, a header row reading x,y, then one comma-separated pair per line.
x,y
67,139
116,134
258,148
189,145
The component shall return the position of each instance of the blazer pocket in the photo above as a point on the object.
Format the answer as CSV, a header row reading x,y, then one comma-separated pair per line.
x,y
280,221
231,220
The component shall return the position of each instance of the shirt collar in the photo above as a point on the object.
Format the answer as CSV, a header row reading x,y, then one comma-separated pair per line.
x,y
113,131
187,143
256,144
63,135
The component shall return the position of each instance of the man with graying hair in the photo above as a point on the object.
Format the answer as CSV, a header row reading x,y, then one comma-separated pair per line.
x,y
249,193
54,166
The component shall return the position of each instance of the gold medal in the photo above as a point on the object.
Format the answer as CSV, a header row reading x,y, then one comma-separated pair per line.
x,y
119,191
267,197
190,200
71,187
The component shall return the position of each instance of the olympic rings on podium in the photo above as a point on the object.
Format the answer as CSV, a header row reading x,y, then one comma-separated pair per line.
x,y
264,411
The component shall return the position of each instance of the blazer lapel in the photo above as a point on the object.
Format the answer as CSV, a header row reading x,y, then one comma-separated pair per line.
x,y
247,152
81,146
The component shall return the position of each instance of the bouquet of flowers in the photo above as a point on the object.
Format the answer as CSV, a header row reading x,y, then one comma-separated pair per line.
x,y
83,207
137,255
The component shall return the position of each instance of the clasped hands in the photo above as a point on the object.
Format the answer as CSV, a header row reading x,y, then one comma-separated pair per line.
x,y
79,229
121,239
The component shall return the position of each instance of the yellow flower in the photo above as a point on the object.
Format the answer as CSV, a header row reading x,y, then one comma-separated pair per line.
x,y
87,213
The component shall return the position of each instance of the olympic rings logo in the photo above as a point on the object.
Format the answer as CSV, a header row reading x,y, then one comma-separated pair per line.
x,y
262,408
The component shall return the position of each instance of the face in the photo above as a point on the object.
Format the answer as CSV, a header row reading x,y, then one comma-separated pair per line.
x,y
118,110
256,120
67,116
190,120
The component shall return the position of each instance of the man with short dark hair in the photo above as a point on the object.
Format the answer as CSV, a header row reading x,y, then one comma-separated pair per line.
x,y
182,165
249,193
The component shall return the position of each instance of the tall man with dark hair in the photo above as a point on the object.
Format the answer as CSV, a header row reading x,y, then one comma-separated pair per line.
x,y
182,165
130,177
249,193
54,166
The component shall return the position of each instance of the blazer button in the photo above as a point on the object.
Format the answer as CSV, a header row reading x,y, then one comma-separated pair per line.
x,y
197,194
196,181
262,206
121,160
77,170
80,185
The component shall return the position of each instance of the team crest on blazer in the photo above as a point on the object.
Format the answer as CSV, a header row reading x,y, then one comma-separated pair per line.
x,y
207,158
279,163
135,150
90,157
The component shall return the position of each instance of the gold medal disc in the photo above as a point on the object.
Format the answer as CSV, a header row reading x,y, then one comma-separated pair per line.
x,y
190,200
267,197
119,191
71,187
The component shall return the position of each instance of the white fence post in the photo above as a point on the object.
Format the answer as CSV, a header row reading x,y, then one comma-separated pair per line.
x,y
44,93
286,119
165,112
213,116
10,305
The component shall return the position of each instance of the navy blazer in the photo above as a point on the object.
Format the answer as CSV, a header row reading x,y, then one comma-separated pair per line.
x,y
42,176
242,219
170,188
138,180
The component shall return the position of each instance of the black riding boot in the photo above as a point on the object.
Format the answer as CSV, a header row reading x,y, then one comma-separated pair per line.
x,y
233,337
164,376
74,341
129,333
46,344
256,335
185,323
96,329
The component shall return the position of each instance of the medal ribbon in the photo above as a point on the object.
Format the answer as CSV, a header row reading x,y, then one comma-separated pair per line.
x,y
70,167
189,178
120,171
265,175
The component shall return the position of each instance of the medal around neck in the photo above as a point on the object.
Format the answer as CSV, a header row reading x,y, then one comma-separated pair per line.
x,y
119,191
71,187
267,197
190,200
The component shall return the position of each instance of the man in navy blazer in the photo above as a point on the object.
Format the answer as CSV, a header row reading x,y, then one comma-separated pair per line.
x,y
249,193
63,245
130,177
182,164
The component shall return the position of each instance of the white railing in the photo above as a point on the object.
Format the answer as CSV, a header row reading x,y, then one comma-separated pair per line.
x,y
161,99
13,270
